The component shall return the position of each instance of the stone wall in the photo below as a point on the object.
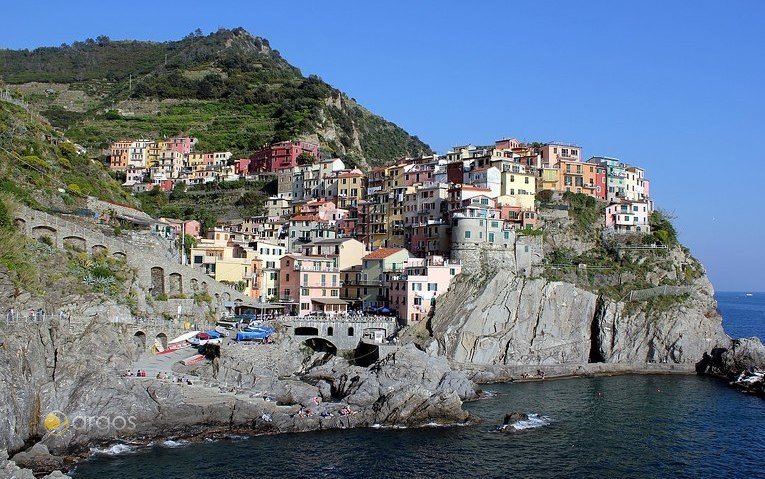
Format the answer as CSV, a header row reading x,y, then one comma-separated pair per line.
x,y
520,257
343,333
155,272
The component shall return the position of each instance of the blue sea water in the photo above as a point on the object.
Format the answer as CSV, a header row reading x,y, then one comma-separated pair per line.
x,y
625,426
743,316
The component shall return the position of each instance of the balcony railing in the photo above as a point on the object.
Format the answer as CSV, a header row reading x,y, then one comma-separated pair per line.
x,y
325,269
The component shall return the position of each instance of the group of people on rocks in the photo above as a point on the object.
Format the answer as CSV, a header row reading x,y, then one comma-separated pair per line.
x,y
540,374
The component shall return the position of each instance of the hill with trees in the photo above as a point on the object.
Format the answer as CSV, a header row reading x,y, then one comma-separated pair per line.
x,y
230,89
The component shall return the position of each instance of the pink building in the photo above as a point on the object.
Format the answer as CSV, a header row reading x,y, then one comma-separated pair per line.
x,y
182,145
310,284
413,293
553,152
507,144
324,210
242,166
281,155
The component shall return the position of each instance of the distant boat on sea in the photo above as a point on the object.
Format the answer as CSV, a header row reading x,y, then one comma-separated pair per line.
x,y
749,294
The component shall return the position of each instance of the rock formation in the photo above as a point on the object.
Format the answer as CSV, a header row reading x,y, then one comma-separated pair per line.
x,y
742,363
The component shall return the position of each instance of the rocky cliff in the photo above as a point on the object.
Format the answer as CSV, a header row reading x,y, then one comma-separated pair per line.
x,y
513,320
597,298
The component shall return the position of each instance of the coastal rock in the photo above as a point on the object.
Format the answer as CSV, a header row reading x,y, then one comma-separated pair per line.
x,y
514,417
742,363
38,458
505,320
10,470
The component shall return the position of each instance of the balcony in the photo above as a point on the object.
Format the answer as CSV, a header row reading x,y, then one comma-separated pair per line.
x,y
330,269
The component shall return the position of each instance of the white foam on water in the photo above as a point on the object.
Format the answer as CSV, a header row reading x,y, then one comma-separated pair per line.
x,y
534,421
171,443
114,450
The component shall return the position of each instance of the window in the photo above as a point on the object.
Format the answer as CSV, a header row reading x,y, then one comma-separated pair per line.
x,y
350,331
304,291
330,331
491,237
507,235
452,271
305,306
467,234
495,224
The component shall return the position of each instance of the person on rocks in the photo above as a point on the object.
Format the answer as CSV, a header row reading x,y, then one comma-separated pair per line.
x,y
216,367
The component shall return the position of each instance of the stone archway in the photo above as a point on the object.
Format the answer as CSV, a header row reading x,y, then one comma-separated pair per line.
x,y
40,232
194,284
204,286
161,339
120,255
226,296
175,284
76,243
157,281
98,249
139,338
321,345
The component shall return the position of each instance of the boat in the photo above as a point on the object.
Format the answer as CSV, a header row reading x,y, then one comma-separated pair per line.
x,y
749,294
207,337
256,333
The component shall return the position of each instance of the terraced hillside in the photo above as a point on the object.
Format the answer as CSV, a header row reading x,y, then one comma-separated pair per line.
x,y
229,89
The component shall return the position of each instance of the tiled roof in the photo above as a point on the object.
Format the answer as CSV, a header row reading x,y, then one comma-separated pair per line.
x,y
382,253
306,218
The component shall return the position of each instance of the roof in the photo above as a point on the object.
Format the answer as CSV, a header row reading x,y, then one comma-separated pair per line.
x,y
329,301
350,174
331,240
382,253
307,218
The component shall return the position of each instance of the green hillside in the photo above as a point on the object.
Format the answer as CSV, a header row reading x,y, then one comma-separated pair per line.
x,y
39,168
229,89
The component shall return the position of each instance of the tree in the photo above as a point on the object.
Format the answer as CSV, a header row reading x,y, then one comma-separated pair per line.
x,y
186,242
179,191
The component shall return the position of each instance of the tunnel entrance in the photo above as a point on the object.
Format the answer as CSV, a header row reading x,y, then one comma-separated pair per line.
x,y
366,354
321,346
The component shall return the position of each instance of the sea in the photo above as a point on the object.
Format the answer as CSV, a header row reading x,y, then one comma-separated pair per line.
x,y
608,427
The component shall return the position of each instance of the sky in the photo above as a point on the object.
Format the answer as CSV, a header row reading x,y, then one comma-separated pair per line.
x,y
674,87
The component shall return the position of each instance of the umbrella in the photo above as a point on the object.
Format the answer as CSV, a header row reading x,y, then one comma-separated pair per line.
x,y
385,310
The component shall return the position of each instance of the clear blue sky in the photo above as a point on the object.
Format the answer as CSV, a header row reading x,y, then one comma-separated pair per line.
x,y
674,87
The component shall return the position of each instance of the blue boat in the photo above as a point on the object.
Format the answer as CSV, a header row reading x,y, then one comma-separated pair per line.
x,y
257,333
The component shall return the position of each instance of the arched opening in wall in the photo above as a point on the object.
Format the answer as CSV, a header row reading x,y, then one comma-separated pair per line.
x,y
45,234
175,284
161,340
217,297
74,242
139,338
204,286
157,281
194,284
321,345
330,331
366,354
306,331
350,331
21,225
120,255
98,250
226,296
